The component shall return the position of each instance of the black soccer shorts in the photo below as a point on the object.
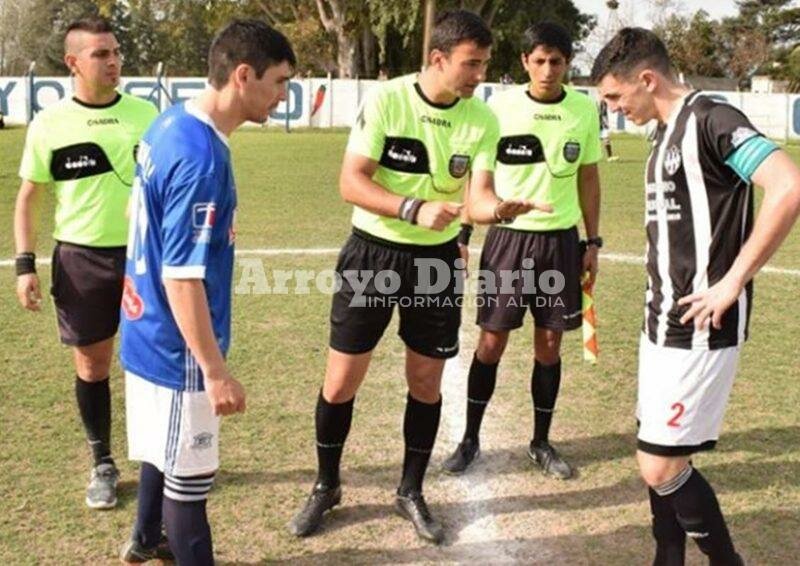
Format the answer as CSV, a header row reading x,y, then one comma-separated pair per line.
x,y
378,275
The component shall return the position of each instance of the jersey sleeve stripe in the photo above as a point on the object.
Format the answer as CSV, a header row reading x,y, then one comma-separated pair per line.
x,y
183,272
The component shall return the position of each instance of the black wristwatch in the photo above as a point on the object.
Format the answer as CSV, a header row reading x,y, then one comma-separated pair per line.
x,y
596,241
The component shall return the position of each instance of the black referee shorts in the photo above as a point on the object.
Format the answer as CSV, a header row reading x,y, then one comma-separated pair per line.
x,y
555,302
378,275
87,291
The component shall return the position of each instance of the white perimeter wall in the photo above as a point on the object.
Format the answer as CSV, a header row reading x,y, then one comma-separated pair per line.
x,y
777,115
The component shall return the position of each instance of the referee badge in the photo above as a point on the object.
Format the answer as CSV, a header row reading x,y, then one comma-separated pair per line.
x,y
572,151
458,166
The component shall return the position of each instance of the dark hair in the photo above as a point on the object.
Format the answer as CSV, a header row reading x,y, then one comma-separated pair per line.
x,y
250,42
92,24
548,34
629,50
458,26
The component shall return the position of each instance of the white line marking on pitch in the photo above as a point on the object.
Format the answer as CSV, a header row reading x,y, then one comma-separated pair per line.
x,y
481,527
613,257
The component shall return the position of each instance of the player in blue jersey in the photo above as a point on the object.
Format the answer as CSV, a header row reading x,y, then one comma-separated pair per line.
x,y
176,303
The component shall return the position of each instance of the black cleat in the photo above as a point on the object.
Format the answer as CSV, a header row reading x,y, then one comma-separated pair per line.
x,y
466,453
133,552
412,506
309,518
550,461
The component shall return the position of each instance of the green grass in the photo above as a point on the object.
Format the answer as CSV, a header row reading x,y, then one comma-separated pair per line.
x,y
288,198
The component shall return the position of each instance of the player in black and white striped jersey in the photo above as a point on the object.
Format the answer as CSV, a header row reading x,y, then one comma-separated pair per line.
x,y
703,250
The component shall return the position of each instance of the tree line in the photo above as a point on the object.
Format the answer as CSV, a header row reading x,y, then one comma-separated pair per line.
x,y
348,38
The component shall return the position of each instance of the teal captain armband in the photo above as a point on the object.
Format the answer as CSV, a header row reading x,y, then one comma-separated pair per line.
x,y
747,157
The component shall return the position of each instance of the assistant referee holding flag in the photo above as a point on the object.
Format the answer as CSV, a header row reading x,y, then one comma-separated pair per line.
x,y
84,148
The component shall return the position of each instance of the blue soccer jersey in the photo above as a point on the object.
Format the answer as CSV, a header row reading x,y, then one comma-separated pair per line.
x,y
181,227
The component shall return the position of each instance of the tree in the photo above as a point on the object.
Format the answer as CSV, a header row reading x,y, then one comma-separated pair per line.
x,y
342,19
693,44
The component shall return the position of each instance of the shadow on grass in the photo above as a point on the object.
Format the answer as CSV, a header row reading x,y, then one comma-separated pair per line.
x,y
631,544
580,451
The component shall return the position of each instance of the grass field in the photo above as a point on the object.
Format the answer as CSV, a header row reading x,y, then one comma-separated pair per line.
x,y
504,512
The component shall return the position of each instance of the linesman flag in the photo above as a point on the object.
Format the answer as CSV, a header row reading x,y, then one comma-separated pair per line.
x,y
590,347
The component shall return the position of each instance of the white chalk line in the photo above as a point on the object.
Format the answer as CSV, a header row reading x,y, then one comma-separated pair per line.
x,y
270,252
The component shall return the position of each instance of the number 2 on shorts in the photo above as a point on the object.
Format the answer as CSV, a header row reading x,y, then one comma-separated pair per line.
x,y
679,409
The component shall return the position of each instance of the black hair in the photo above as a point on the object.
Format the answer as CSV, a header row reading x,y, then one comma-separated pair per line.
x,y
629,50
548,34
458,26
246,41
92,24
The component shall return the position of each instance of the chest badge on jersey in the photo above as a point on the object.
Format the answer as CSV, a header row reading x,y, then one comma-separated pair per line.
x,y
672,160
406,155
459,165
520,150
572,150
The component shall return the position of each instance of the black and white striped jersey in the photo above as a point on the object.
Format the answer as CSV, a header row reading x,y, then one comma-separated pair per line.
x,y
699,212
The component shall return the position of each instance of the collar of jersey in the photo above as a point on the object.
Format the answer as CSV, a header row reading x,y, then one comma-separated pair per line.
x,y
556,100
679,106
191,108
430,102
117,98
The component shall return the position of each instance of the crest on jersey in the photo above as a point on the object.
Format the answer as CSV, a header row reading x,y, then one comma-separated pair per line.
x,y
458,165
132,303
572,151
741,135
672,160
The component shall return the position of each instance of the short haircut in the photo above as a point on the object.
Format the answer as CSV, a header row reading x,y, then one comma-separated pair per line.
x,y
547,34
459,26
251,42
90,24
631,49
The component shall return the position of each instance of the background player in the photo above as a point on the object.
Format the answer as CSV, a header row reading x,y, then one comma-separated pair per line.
x,y
548,152
702,253
414,142
84,148
177,299
605,131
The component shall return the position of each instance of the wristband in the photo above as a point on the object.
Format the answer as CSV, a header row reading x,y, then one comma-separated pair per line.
x,y
409,209
465,234
25,263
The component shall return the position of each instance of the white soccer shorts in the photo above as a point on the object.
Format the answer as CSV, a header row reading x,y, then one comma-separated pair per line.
x,y
175,431
682,396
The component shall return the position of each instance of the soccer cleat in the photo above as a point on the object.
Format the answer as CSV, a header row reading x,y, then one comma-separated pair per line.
x,y
309,518
550,461
466,452
101,493
412,506
133,552
613,158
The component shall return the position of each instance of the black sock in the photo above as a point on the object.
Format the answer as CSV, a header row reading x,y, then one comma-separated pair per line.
x,y
480,387
188,532
670,536
332,421
545,382
150,497
697,510
420,426
94,404
608,150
